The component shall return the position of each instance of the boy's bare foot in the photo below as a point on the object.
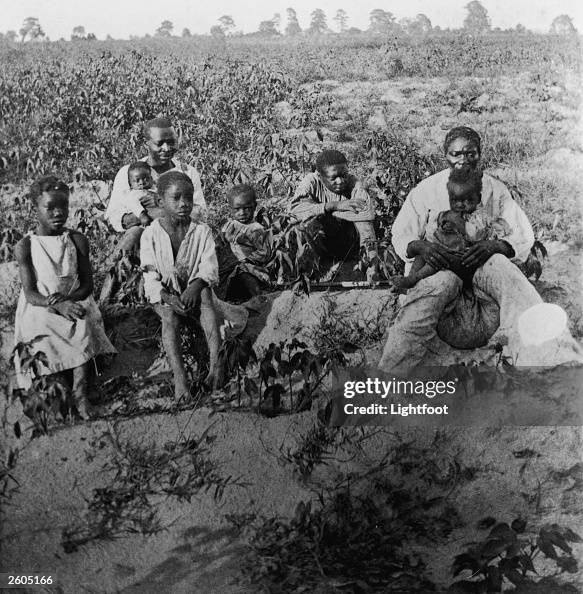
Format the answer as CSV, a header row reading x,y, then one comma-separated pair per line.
x,y
181,391
215,379
79,411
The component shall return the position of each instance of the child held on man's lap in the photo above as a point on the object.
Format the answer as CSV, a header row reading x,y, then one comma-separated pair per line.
x,y
452,234
140,199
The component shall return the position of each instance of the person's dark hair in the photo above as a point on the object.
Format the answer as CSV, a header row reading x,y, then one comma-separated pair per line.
x,y
328,158
173,178
139,166
48,183
156,123
464,182
462,132
241,190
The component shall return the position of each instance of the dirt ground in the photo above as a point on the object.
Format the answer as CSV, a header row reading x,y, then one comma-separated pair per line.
x,y
199,551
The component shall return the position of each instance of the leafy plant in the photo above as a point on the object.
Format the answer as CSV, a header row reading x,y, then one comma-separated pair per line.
x,y
354,538
180,469
505,556
282,363
48,397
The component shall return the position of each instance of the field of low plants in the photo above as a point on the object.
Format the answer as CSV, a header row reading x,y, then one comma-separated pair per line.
x,y
259,112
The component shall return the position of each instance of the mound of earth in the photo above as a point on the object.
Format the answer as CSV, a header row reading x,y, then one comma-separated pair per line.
x,y
151,534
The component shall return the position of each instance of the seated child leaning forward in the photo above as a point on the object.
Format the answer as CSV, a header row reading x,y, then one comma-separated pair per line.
x,y
338,211
243,247
464,189
179,262
56,302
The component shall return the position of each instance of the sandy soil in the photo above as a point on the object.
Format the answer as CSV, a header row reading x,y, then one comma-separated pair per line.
x,y
199,551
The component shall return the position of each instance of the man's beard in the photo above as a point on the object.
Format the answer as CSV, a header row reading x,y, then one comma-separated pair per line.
x,y
466,168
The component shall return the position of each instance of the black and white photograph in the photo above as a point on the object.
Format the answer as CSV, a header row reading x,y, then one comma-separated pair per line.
x,y
291,297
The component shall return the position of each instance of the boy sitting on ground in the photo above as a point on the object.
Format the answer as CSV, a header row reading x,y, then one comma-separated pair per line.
x,y
337,210
180,265
454,228
245,248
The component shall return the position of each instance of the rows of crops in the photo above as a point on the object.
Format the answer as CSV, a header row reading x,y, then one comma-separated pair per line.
x,y
65,107
243,109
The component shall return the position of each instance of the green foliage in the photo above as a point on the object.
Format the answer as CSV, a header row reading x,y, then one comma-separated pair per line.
x,y
180,470
506,557
48,397
354,539
287,376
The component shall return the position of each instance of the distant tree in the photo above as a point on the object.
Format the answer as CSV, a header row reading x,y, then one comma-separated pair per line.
x,y
91,37
353,30
217,32
227,23
423,23
165,29
11,35
267,28
519,28
341,20
420,25
276,20
318,23
31,28
186,32
477,20
293,25
108,37
382,22
78,33
562,25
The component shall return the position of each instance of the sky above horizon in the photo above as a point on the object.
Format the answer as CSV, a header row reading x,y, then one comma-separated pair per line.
x,y
123,18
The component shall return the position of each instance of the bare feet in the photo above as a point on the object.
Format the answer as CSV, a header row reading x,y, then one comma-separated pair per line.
x,y
79,411
215,379
401,284
181,390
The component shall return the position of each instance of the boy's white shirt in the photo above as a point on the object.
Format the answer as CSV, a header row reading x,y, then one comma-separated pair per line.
x,y
118,205
418,215
196,258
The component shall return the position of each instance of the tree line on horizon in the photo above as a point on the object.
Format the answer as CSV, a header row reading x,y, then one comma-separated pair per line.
x,y
381,22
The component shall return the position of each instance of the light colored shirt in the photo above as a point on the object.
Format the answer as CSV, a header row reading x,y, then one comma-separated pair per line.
x,y
196,258
311,197
418,215
133,202
118,205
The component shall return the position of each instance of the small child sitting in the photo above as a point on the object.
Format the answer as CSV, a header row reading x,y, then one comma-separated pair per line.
x,y
244,248
141,200
452,231
180,265
56,304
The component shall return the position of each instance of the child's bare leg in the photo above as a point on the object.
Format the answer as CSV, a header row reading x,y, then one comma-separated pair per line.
x,y
210,327
81,378
419,270
173,347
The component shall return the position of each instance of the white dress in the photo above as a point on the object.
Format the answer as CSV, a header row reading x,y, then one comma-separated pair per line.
x,y
67,344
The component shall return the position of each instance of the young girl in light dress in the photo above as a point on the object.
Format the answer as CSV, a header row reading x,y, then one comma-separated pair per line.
x,y
56,301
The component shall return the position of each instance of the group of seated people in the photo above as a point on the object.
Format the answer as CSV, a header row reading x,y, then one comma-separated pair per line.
x,y
459,232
